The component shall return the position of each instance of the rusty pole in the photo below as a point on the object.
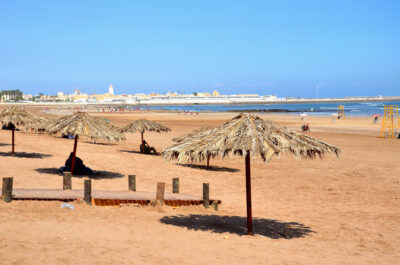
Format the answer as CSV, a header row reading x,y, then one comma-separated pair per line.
x,y
74,155
248,195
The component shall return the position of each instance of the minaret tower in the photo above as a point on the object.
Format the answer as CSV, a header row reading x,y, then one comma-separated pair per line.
x,y
111,90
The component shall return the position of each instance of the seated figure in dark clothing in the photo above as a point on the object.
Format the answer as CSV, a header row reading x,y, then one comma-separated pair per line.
x,y
147,148
79,167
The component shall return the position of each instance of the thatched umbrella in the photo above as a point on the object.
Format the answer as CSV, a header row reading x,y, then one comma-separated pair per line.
x,y
81,124
143,125
14,116
195,134
247,135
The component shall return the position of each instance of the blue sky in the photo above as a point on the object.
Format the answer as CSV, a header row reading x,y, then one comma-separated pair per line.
x,y
286,48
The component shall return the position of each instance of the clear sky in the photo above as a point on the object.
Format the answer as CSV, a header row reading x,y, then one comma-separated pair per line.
x,y
286,48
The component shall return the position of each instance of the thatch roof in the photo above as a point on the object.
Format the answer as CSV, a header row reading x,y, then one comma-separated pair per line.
x,y
248,133
194,134
19,117
84,125
143,125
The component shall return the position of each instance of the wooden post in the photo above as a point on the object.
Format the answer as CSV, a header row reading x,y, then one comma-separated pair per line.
x,y
206,195
160,193
67,183
88,191
74,154
208,160
7,189
142,149
248,196
12,140
132,182
175,185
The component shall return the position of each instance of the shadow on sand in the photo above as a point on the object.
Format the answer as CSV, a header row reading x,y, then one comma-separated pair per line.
x,y
238,225
138,152
210,168
1,144
25,155
96,175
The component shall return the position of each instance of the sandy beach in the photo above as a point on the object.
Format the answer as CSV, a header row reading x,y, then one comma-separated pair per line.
x,y
323,211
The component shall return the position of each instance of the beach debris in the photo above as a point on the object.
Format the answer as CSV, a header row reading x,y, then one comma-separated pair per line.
x,y
67,206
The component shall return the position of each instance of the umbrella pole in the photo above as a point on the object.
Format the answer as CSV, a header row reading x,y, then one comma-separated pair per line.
x,y
12,140
142,145
208,160
248,195
74,155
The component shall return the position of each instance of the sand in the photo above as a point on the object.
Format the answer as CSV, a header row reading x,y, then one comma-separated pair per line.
x,y
329,211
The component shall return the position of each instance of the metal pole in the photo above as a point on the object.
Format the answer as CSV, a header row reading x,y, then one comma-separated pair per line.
x,y
74,155
248,195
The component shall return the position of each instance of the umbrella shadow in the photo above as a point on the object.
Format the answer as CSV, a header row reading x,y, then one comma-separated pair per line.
x,y
238,225
210,168
97,174
25,155
138,152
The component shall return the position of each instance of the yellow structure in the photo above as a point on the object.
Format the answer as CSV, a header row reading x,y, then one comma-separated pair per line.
x,y
340,112
390,121
215,93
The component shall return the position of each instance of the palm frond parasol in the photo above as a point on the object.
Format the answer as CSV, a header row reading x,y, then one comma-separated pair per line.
x,y
80,124
15,116
143,125
193,135
247,135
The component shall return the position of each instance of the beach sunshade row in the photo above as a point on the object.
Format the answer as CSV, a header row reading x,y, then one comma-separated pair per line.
x,y
246,133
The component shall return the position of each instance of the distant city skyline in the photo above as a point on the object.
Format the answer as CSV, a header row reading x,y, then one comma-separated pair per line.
x,y
302,49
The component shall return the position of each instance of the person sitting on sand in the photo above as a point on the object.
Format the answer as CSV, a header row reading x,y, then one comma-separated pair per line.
x,y
79,167
147,148
67,136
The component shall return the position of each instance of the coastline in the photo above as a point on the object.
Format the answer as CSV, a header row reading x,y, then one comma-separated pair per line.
x,y
216,102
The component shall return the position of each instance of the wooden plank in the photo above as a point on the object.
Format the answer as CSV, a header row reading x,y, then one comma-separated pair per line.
x,y
132,182
175,185
70,195
160,193
67,182
206,195
88,191
7,189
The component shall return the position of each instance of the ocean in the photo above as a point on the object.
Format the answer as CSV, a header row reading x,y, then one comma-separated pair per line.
x,y
350,108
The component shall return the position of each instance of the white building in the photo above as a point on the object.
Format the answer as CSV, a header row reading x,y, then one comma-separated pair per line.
x,y
111,90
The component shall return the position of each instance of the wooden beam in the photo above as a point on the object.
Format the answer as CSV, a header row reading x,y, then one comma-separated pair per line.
x,y
160,193
7,189
206,195
67,182
88,191
175,185
132,182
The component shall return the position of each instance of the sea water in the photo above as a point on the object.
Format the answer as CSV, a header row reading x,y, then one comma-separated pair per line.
x,y
350,108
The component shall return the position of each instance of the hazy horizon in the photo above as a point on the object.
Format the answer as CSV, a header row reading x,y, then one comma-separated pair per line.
x,y
286,49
